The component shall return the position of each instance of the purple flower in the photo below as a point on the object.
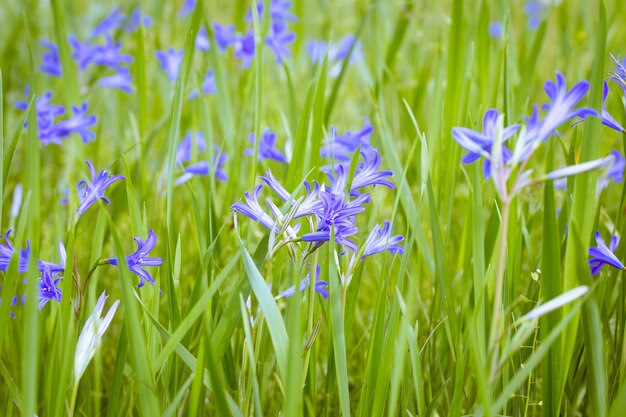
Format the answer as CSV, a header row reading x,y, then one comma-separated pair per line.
x,y
252,209
561,109
279,11
79,124
278,41
49,132
335,213
51,63
380,240
619,75
204,168
616,170
267,148
224,36
336,53
82,52
316,50
607,119
533,9
48,289
202,40
321,287
208,86
342,147
55,268
94,190
170,62
139,259
187,9
109,54
480,144
367,172
244,48
121,80
275,186
137,18
495,29
109,24
602,255
183,152
6,252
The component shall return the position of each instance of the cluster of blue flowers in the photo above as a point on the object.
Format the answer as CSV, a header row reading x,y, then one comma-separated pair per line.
x,y
500,162
330,210
346,47
89,193
243,44
103,55
51,131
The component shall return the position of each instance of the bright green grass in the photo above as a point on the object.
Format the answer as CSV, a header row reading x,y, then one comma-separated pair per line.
x,y
411,334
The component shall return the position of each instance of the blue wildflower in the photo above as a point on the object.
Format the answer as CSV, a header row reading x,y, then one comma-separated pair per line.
x,y
82,52
278,40
266,147
139,259
137,18
79,124
367,172
187,9
480,144
336,52
380,240
342,147
533,9
616,170
208,86
55,268
204,168
619,75
109,54
170,62
51,64
338,215
275,186
6,252
321,287
244,48
602,255
94,190
279,11
109,24
607,119
202,40
495,29
224,36
48,288
183,152
121,80
561,109
252,209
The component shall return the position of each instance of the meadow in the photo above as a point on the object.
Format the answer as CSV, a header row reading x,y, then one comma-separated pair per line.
x,y
320,208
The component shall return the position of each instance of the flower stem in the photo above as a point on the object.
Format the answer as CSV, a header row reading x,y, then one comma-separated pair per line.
x,y
496,324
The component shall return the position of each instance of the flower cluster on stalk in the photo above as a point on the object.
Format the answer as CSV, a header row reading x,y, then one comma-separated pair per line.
x,y
329,212
53,131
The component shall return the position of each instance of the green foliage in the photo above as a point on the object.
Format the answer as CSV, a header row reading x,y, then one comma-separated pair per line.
x,y
410,335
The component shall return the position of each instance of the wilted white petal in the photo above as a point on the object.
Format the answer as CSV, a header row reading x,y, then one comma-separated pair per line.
x,y
90,336
580,168
557,302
